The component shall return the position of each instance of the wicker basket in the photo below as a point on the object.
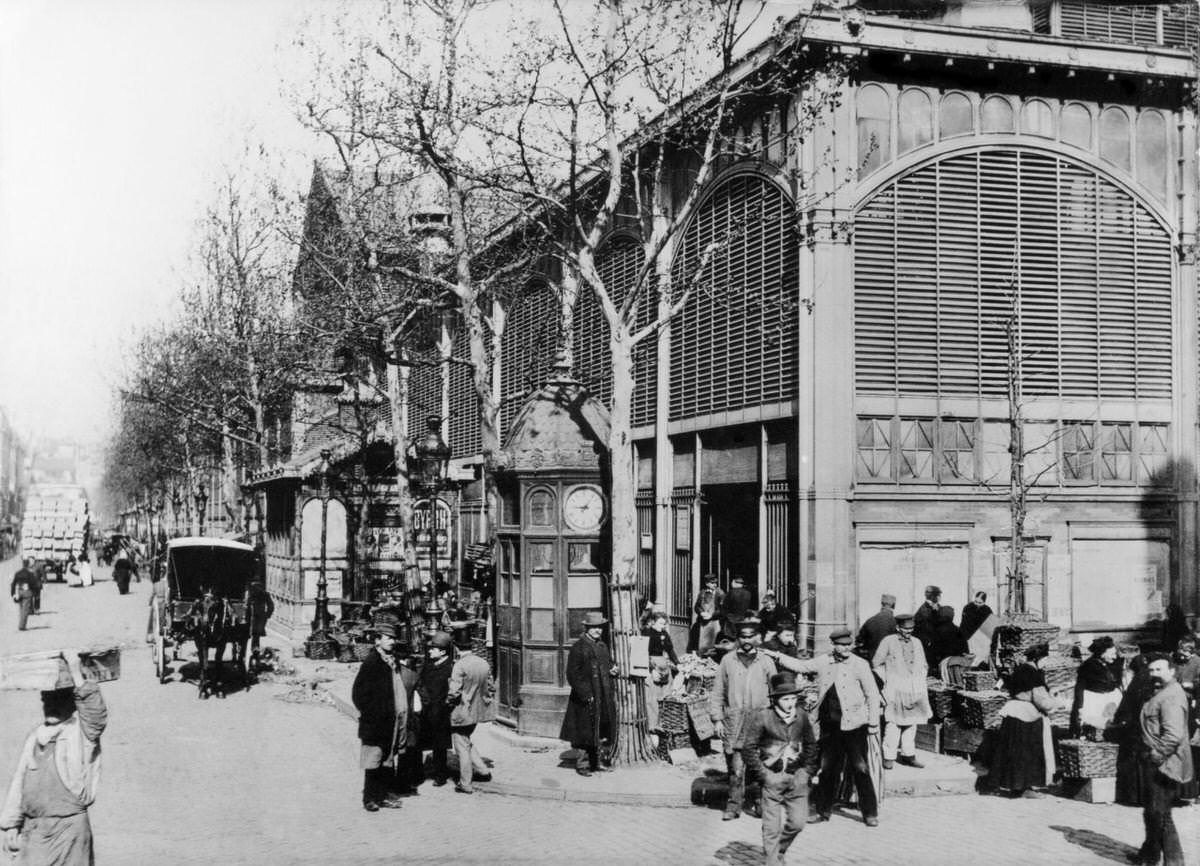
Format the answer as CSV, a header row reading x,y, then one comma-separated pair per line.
x,y
1083,759
979,681
1060,672
941,700
677,740
981,709
321,650
362,650
1019,635
701,685
1060,717
956,737
673,715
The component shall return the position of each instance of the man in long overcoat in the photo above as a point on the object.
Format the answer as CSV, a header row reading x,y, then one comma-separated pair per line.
x,y
383,693
591,717
434,687
899,663
22,592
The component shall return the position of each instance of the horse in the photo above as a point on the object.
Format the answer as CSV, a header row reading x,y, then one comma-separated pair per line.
x,y
212,623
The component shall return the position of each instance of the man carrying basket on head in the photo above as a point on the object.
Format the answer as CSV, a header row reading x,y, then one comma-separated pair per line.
x,y
45,815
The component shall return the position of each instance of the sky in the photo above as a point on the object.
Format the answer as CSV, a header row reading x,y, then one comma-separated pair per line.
x,y
115,115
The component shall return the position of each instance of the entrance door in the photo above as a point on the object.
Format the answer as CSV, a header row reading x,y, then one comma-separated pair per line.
x,y
729,532
508,627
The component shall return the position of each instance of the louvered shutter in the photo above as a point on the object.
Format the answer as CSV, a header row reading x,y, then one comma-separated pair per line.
x,y
1181,25
424,396
940,251
1109,22
464,422
736,343
528,345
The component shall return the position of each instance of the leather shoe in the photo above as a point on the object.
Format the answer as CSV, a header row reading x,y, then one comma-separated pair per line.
x,y
459,789
817,818
583,771
753,810
871,821
390,803
439,781
371,807
887,765
909,761
482,777
731,814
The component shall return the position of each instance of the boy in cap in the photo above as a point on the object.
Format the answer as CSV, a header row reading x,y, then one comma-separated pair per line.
x,y
899,663
847,716
739,693
781,752
45,815
591,717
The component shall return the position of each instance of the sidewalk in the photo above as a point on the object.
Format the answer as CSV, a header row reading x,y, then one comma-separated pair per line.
x,y
539,768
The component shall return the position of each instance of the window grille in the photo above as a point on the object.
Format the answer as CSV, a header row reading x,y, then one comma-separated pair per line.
x,y
464,422
1152,453
736,342
1181,25
916,449
528,346
424,396
875,448
945,253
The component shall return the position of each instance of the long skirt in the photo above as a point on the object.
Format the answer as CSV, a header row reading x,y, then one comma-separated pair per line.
x,y
57,842
1019,759
1131,782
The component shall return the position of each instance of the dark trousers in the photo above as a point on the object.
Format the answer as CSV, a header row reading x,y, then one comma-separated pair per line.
x,y
784,812
1162,839
845,749
375,784
26,608
441,768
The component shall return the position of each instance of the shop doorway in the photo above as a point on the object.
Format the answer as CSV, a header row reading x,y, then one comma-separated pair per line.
x,y
729,532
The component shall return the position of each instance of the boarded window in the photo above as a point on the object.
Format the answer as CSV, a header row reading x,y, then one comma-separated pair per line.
x,y
1152,152
997,115
736,342
945,253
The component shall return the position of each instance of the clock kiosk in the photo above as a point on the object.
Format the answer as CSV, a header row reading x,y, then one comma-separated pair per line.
x,y
551,548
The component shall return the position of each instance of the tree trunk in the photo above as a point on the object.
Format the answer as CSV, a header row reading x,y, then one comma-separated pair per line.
x,y
1015,602
633,739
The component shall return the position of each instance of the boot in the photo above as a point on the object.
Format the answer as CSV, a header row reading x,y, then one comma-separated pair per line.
x,y
909,761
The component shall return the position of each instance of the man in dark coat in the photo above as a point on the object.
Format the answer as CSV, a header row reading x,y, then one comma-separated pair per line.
x,y
925,619
877,627
947,639
1166,764
22,592
784,641
260,607
975,614
591,717
433,687
739,604
383,695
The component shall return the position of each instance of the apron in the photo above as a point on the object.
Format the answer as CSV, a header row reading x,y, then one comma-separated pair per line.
x,y
57,831
1098,708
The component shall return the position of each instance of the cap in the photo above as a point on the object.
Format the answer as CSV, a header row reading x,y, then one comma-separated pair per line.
x,y
887,600
594,619
384,628
905,619
748,627
784,622
932,590
841,636
783,683
1101,644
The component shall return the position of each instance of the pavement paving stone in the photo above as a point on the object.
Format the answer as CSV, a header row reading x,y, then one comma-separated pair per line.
x,y
258,779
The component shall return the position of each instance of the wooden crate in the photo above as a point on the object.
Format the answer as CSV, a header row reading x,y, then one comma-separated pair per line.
x,y
929,737
961,739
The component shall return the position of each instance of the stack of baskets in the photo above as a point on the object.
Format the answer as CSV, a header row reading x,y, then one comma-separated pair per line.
x,y
1085,759
941,699
1060,673
676,716
1018,634
981,709
979,681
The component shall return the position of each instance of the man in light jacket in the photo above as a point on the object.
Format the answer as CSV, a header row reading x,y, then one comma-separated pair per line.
x,y
471,702
847,714
741,691
1166,764
45,815
899,663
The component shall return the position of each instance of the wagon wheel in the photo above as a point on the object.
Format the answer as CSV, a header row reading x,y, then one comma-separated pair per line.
x,y
160,648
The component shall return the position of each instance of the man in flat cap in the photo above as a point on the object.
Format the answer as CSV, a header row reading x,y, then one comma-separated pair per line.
x,y
45,815
741,690
847,715
383,693
781,752
899,663
877,627
926,618
591,717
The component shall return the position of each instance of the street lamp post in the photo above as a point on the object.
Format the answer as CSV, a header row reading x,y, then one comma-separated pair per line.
x,y
320,623
176,507
201,497
432,462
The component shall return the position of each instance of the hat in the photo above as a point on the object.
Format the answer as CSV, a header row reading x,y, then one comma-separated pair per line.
x,y
887,600
594,619
383,628
747,626
784,622
932,590
462,638
783,683
441,641
1101,644
842,636
905,619
710,578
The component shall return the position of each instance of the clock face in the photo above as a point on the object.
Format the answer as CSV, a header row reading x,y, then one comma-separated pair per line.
x,y
583,509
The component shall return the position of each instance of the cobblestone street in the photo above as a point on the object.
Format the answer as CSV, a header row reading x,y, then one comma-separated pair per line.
x,y
257,779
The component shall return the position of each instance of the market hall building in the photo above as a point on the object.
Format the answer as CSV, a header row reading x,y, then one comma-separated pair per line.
x,y
832,422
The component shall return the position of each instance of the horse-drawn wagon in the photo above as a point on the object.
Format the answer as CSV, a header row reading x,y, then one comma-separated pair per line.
x,y
204,602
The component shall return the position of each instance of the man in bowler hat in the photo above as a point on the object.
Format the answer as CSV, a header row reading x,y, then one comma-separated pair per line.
x,y
22,591
434,689
781,752
591,717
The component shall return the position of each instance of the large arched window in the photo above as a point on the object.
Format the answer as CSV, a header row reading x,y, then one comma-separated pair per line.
x,y
736,343
946,252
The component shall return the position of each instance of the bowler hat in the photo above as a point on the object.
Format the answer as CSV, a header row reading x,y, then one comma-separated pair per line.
x,y
842,636
594,619
905,619
383,628
932,590
783,683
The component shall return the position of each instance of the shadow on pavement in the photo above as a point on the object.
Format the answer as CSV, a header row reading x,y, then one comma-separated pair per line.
x,y
1099,844
741,854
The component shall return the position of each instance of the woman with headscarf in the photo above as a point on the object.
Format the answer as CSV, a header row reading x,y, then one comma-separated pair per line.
x,y
1097,688
1024,755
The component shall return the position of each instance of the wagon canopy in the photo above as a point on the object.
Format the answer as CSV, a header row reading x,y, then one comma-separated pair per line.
x,y
195,563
